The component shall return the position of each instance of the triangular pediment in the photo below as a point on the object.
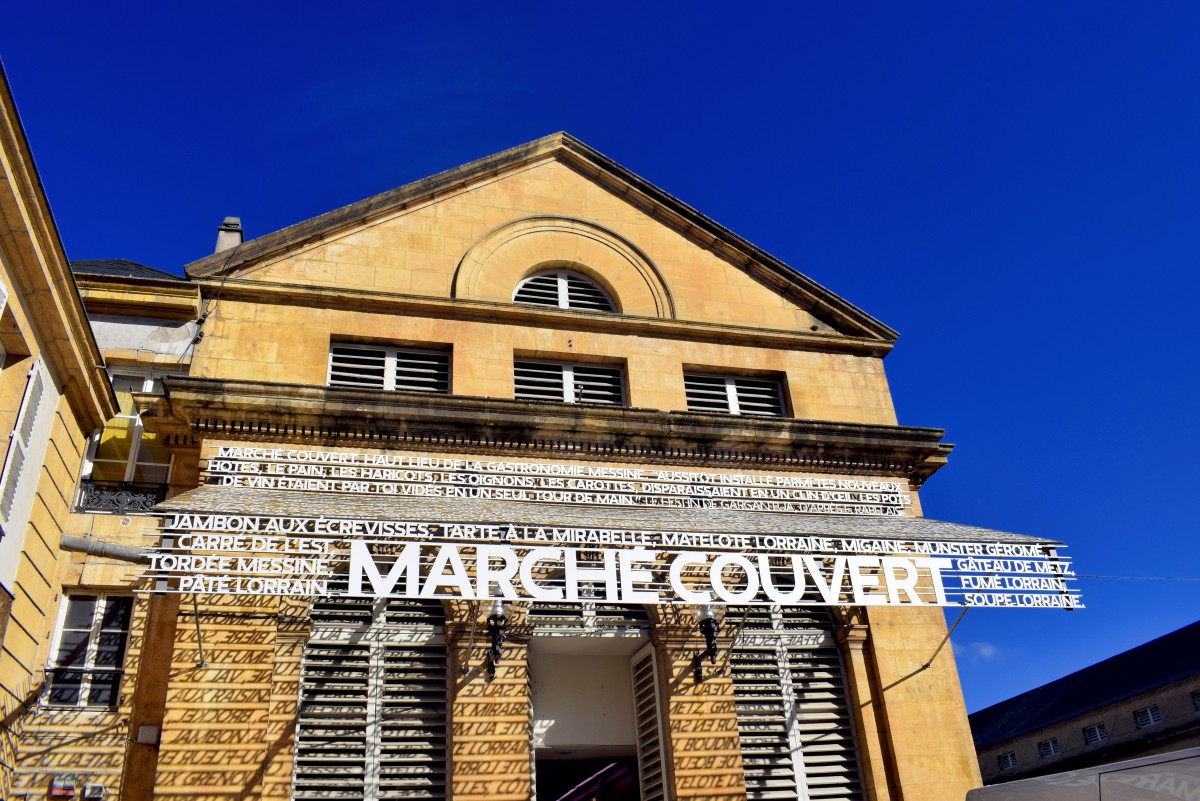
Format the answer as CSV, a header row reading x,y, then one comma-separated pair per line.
x,y
568,194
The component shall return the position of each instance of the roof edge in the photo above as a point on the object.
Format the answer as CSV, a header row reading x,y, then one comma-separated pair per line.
x,y
763,265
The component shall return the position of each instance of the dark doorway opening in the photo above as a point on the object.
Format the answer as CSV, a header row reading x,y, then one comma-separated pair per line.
x,y
590,779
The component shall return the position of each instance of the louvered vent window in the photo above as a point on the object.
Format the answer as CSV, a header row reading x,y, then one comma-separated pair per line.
x,y
569,383
1147,717
563,289
761,397
372,717
1095,733
377,367
1049,748
794,719
1196,700
1007,761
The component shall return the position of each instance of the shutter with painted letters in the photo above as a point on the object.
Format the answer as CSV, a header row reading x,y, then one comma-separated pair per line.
x,y
794,719
372,717
331,730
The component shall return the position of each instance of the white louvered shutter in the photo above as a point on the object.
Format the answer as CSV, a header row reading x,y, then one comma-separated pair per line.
x,y
758,397
794,717
568,383
563,289
405,369
331,731
647,721
373,703
30,433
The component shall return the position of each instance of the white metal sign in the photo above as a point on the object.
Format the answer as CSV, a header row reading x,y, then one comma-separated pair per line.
x,y
267,555
362,473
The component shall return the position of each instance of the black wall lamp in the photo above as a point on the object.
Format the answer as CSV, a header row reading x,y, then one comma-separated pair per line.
x,y
709,626
497,624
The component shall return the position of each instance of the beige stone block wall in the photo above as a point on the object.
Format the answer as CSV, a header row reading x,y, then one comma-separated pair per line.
x,y
222,719
491,757
35,594
290,344
702,751
418,249
925,721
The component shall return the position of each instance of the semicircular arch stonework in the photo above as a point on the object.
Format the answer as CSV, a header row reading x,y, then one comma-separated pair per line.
x,y
493,266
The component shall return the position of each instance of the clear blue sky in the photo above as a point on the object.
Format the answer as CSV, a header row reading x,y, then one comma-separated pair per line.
x,y
1015,187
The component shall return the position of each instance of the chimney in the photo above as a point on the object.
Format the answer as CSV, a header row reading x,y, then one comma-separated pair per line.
x,y
229,235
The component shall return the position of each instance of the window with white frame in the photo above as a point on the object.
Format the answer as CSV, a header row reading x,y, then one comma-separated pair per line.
x,y
124,453
1007,761
89,652
728,394
569,382
389,368
1147,716
1048,748
1196,700
1095,734
563,289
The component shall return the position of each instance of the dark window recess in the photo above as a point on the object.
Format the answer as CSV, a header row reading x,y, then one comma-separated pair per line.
x,y
90,659
762,397
564,290
406,369
569,383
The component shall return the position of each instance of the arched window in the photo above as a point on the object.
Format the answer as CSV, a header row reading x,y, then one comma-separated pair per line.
x,y
563,289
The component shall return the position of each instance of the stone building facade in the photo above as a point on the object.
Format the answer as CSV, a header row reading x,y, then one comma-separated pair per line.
x,y
51,397
1139,703
540,341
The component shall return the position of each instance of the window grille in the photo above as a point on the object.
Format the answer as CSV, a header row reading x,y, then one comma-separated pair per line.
x,y
89,655
1196,700
1007,761
372,717
563,289
760,397
1095,733
1049,748
406,369
565,382
128,469
794,719
1147,716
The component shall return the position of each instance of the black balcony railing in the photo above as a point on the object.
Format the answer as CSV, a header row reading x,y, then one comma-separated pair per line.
x,y
119,497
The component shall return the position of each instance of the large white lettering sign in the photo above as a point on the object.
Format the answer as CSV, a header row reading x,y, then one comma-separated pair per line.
x,y
362,473
271,555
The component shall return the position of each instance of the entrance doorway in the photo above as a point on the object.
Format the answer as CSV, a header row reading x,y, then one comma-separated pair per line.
x,y
570,778
588,720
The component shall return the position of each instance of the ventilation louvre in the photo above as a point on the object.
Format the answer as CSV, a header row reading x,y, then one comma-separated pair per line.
x,y
568,383
794,719
405,369
372,717
563,289
760,397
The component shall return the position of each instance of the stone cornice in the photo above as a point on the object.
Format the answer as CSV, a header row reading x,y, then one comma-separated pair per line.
x,y
43,283
513,314
210,408
141,297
